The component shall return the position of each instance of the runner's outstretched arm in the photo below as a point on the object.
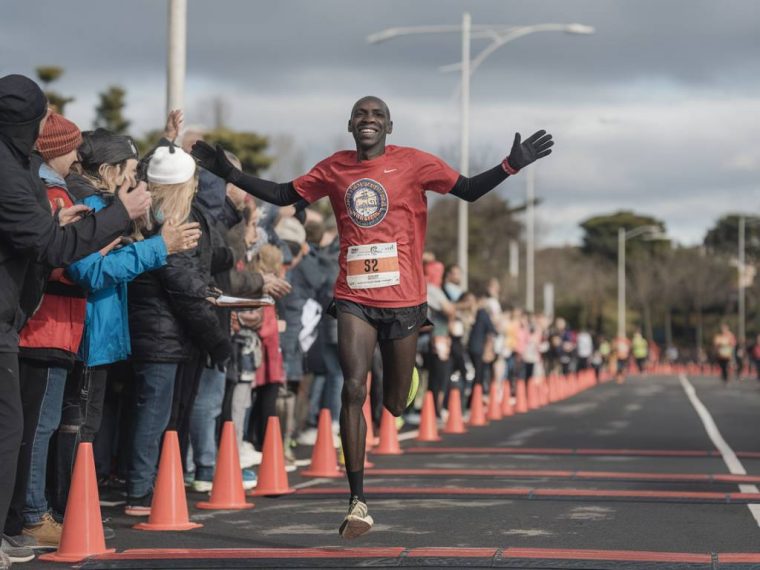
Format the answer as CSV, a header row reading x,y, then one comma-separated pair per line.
x,y
214,160
538,145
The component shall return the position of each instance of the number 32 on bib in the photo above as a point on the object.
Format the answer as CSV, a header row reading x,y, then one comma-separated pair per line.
x,y
372,266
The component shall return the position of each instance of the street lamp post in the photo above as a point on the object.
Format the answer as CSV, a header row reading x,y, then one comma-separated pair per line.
x,y
175,65
499,35
651,233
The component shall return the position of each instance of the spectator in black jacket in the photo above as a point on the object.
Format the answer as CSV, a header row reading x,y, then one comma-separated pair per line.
x,y
31,241
169,314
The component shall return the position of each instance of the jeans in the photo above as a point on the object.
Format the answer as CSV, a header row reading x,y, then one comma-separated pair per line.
x,y
154,385
206,409
48,421
11,427
80,421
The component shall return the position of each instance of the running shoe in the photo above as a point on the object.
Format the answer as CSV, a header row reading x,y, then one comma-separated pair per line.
x,y
357,521
201,486
413,388
16,550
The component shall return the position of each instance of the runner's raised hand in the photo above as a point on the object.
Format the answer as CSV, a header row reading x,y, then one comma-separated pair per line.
x,y
537,145
212,159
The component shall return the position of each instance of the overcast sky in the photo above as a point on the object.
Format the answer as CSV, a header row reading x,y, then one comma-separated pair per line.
x,y
658,111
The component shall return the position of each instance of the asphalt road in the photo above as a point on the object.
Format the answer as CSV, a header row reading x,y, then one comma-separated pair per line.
x,y
617,476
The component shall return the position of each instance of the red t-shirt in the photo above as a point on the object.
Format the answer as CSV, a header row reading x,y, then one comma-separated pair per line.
x,y
381,212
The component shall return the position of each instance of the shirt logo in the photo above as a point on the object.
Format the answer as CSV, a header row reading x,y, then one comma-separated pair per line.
x,y
389,170
366,202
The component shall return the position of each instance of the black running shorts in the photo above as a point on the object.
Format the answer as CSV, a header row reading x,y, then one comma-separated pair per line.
x,y
390,324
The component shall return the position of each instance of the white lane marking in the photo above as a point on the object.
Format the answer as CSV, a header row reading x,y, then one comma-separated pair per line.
x,y
735,466
311,483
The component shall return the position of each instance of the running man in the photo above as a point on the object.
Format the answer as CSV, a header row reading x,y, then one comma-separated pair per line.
x,y
378,195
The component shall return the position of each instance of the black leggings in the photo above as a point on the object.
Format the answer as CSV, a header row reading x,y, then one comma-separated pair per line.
x,y
264,406
356,344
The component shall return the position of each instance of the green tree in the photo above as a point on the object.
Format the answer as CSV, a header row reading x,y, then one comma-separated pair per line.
x,y
109,112
601,234
48,74
723,238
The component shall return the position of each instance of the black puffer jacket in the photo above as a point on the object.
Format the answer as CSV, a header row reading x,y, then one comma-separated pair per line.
x,y
168,308
29,235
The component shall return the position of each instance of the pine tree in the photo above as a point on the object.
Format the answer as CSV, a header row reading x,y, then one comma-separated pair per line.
x,y
109,113
48,74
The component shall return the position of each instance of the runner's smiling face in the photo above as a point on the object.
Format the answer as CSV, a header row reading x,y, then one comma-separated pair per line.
x,y
370,123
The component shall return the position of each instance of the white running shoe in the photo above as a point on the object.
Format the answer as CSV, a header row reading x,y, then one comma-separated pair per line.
x,y
249,456
357,521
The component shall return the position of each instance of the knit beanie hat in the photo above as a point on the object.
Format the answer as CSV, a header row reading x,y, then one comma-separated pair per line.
x,y
170,165
60,136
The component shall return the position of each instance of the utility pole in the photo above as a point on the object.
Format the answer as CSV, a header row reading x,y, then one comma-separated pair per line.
x,y
176,55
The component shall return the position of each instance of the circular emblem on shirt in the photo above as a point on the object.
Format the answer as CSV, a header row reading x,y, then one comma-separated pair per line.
x,y
366,202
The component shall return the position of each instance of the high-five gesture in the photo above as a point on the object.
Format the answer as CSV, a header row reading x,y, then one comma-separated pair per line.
x,y
537,145
212,159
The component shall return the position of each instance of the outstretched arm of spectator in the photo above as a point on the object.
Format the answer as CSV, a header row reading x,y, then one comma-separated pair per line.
x,y
98,271
215,160
523,153
27,228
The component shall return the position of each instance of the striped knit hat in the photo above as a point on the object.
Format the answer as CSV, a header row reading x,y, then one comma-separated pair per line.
x,y
60,136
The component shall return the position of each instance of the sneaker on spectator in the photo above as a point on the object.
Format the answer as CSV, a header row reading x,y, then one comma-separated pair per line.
x,y
202,486
47,532
249,479
16,551
139,506
308,436
5,562
412,418
249,456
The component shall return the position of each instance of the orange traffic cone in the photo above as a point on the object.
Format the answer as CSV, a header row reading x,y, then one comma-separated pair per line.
x,y
521,405
227,491
477,408
324,459
82,534
428,424
531,393
273,479
388,436
168,511
494,409
455,424
506,400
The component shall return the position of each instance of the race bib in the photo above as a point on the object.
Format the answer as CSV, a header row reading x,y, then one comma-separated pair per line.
x,y
372,266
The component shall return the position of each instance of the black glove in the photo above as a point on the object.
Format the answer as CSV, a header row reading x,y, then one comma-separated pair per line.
x,y
213,159
538,145
221,353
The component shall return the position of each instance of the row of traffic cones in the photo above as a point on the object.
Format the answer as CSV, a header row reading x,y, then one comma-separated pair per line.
x,y
82,534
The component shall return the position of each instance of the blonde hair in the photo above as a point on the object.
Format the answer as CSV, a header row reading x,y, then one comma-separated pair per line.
x,y
107,176
170,202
